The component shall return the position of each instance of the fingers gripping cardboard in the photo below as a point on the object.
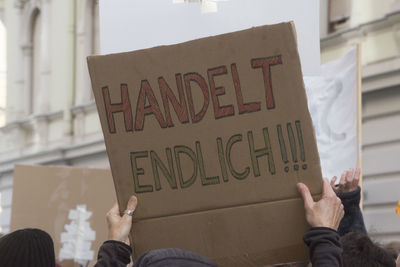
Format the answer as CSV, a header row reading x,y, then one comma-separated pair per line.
x,y
212,136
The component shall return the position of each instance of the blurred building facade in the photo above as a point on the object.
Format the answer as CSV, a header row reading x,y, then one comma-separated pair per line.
x,y
3,66
51,117
376,26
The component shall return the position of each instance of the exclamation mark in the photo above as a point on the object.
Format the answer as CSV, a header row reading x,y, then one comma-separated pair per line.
x,y
301,144
292,146
282,146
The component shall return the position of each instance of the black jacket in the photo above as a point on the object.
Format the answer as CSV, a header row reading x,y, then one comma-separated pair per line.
x,y
325,247
353,220
113,253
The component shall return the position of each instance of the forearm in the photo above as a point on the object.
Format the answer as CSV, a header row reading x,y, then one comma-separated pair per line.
x,y
353,220
325,247
113,253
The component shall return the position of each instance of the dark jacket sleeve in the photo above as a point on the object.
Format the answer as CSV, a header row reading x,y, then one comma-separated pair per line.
x,y
325,247
353,220
113,253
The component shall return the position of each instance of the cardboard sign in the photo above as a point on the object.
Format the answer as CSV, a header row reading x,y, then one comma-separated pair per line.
x,y
68,203
212,135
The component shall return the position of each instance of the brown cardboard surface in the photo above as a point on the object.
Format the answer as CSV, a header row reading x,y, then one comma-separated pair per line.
x,y
44,195
233,226
208,127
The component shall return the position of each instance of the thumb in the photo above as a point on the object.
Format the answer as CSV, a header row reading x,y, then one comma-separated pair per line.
x,y
132,203
327,188
334,178
306,195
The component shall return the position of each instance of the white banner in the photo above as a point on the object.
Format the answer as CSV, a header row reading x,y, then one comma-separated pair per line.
x,y
332,100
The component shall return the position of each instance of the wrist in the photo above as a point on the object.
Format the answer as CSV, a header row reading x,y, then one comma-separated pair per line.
x,y
119,238
323,228
322,224
333,228
125,241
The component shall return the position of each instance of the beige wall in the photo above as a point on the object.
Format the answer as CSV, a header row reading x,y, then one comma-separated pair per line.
x,y
3,72
364,11
376,26
381,150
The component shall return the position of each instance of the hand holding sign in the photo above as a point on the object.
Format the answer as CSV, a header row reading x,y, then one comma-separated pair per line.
x,y
119,227
327,212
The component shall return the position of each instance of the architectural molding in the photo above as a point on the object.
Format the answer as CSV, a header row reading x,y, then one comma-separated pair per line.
x,y
29,135
84,109
381,75
360,31
380,115
381,143
48,117
20,3
79,114
60,154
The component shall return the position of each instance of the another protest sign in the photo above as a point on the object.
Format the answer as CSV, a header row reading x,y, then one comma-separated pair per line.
x,y
68,203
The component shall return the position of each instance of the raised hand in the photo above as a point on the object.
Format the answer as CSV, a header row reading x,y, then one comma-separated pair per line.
x,y
348,181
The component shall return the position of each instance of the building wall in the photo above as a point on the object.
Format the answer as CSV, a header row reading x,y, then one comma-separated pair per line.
x,y
376,26
3,72
381,149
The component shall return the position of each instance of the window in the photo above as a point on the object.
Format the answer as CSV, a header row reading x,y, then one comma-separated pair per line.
x,y
339,14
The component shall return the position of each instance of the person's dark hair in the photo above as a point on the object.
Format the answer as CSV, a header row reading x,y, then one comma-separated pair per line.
x,y
27,247
393,248
172,257
359,250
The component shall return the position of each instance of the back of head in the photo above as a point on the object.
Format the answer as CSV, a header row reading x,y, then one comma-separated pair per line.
x,y
359,250
27,247
394,249
172,257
